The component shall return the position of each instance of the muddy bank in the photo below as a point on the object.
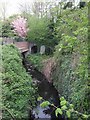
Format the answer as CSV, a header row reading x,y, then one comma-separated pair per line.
x,y
48,65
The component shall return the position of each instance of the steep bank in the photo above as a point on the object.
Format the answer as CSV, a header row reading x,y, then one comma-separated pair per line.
x,y
70,76
17,88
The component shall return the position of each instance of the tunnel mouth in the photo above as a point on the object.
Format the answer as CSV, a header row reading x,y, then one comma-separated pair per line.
x,y
34,49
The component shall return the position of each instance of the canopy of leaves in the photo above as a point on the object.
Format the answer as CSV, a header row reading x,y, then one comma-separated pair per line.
x,y
37,29
7,29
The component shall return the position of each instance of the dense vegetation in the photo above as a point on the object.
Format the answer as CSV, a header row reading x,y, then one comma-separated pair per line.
x,y
18,91
71,73
66,34
36,60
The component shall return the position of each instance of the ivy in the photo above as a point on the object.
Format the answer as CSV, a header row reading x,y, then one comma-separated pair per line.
x,y
17,88
70,75
58,111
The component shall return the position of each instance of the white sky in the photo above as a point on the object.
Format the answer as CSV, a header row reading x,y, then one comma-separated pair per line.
x,y
13,5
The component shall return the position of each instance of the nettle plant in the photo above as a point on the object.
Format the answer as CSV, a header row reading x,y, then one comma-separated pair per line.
x,y
66,108
20,26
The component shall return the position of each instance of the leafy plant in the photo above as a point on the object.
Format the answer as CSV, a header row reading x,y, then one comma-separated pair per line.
x,y
65,109
37,29
17,88
70,75
36,60
6,29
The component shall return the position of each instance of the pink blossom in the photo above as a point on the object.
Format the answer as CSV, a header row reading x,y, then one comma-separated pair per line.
x,y
20,26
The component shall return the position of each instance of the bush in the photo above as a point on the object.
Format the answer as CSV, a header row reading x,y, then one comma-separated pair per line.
x,y
36,60
18,91
71,73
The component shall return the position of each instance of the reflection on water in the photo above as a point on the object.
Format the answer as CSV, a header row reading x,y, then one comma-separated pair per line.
x,y
47,91
40,113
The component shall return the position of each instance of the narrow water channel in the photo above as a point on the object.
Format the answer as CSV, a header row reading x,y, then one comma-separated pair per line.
x,y
45,90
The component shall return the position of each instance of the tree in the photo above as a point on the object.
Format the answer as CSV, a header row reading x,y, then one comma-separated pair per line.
x,y
37,29
7,29
20,27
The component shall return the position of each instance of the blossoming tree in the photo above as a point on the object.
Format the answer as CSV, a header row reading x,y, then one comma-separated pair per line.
x,y
20,27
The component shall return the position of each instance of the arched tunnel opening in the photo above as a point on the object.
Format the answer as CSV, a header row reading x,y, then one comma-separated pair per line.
x,y
34,49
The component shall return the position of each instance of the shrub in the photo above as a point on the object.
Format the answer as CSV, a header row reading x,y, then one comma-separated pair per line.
x,y
36,60
71,73
18,92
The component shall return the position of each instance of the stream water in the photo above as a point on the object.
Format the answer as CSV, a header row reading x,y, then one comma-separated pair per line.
x,y
45,90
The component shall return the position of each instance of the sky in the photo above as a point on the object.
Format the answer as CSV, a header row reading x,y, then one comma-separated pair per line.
x,y
13,6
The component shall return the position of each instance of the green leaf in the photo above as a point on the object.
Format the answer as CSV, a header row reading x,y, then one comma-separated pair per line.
x,y
58,111
45,104
64,107
68,113
85,116
71,106
63,102
62,98
39,98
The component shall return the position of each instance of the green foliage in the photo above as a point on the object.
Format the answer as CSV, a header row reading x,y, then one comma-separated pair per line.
x,y
68,113
71,73
45,104
58,111
63,102
68,109
39,99
17,88
41,31
7,29
50,39
36,60
1,28
37,29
